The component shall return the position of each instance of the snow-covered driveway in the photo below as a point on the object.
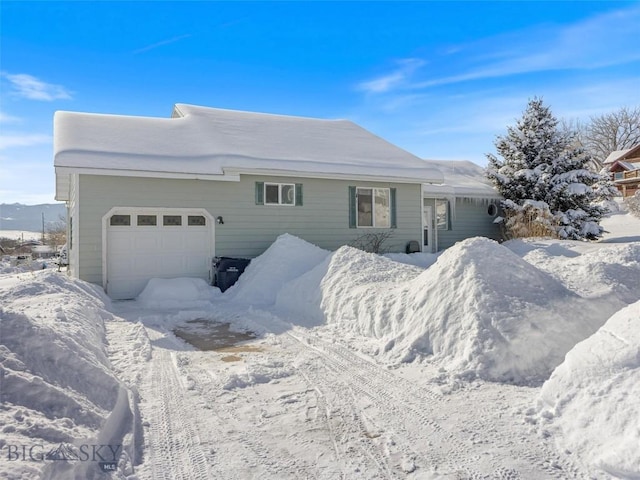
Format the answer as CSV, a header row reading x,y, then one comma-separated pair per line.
x,y
302,404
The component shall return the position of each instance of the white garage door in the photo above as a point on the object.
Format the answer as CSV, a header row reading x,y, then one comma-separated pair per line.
x,y
144,244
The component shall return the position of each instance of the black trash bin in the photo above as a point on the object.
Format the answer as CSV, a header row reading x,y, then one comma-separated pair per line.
x,y
227,270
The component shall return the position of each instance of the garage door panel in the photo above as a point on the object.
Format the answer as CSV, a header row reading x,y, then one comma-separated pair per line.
x,y
136,254
193,241
120,242
145,240
173,264
145,266
196,262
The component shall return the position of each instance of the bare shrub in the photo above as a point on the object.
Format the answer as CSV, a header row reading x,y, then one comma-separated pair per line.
x,y
372,242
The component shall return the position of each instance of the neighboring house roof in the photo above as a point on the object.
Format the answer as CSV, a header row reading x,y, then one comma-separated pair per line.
x,y
209,143
461,179
613,156
628,166
622,154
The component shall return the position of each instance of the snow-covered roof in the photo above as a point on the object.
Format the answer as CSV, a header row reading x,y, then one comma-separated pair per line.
x,y
633,152
461,179
202,142
613,156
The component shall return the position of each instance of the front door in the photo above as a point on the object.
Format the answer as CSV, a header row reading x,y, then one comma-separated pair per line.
x,y
427,222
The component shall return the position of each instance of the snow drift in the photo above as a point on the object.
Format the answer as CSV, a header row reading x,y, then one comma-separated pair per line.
x,y
346,289
58,386
611,271
286,259
591,400
480,310
176,293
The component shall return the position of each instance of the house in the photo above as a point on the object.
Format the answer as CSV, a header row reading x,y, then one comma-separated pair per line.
x,y
160,197
624,167
42,251
464,205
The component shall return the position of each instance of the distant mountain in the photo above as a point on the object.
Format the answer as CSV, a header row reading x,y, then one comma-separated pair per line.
x,y
15,216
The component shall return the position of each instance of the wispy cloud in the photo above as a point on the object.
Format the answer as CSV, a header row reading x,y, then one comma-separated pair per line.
x,y
13,140
399,76
6,118
30,87
161,43
604,40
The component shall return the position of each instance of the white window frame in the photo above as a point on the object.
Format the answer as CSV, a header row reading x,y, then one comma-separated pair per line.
x,y
280,185
373,207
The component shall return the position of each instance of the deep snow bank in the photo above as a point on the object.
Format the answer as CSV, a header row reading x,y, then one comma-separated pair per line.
x,y
58,387
177,293
480,310
346,289
287,258
592,401
612,270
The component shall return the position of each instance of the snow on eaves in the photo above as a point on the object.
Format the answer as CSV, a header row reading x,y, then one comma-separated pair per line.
x,y
461,179
207,142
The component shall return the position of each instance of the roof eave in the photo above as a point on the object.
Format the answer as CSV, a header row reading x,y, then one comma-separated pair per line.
x,y
233,175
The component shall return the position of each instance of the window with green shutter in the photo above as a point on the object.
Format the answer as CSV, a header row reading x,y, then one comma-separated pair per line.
x,y
278,194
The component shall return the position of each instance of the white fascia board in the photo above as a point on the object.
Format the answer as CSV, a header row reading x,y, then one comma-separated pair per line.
x,y
233,175
326,176
147,174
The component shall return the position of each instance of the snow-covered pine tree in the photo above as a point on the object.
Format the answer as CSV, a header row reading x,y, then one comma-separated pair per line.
x,y
540,166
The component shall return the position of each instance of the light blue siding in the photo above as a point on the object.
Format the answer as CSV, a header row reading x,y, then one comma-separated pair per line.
x,y
248,229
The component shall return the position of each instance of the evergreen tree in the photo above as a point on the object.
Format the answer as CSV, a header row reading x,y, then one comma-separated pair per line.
x,y
542,167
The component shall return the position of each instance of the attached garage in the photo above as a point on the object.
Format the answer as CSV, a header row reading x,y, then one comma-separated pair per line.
x,y
143,243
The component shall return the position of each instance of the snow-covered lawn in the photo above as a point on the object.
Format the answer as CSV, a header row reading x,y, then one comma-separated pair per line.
x,y
363,367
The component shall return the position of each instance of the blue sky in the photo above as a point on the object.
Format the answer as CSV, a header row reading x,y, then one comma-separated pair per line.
x,y
440,79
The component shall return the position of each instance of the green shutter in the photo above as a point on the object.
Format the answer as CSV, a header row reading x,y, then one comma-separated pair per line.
x,y
392,205
298,194
352,207
259,193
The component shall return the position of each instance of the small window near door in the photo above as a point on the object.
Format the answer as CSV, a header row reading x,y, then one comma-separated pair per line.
x,y
147,220
120,220
442,215
196,221
172,220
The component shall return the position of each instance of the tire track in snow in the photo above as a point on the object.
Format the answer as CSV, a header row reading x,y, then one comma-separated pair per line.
x,y
356,453
174,446
402,413
262,460
357,380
